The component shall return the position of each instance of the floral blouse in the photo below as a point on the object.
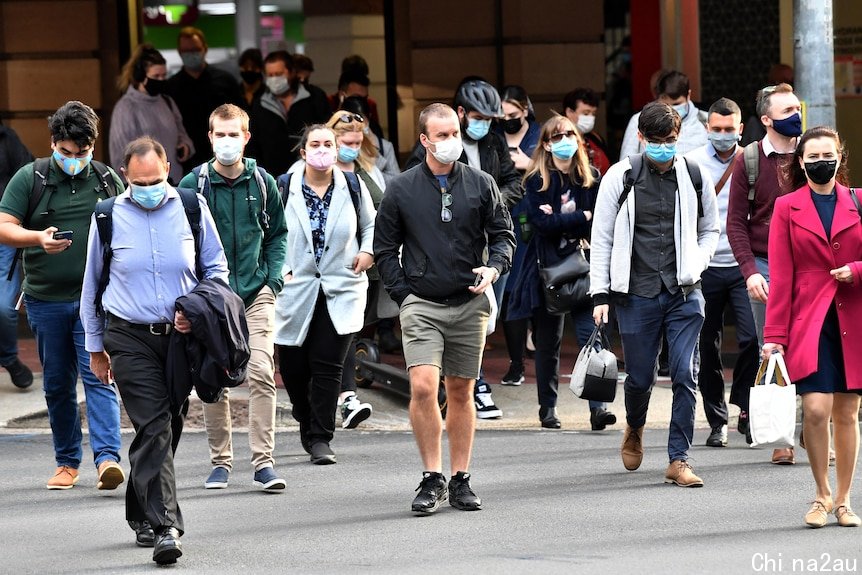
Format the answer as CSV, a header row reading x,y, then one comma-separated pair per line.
x,y
318,212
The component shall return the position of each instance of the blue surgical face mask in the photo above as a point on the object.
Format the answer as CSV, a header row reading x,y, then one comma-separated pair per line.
x,y
72,166
660,153
478,129
722,142
682,109
148,197
564,149
347,154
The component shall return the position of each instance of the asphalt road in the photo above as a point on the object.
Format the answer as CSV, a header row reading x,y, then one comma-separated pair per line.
x,y
554,502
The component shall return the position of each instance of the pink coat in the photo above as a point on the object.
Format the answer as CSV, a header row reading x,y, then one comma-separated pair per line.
x,y
801,289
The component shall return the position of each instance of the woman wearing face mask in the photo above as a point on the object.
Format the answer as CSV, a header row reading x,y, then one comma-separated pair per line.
x,y
815,309
561,189
322,303
145,110
251,72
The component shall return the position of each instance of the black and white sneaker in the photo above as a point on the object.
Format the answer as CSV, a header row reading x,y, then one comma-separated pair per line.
x,y
354,412
461,495
515,375
485,406
432,491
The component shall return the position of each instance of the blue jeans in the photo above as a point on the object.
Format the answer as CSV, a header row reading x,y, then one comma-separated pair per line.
x,y
758,309
641,321
9,291
60,340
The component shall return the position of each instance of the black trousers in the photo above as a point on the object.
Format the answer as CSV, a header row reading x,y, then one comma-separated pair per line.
x,y
138,360
312,374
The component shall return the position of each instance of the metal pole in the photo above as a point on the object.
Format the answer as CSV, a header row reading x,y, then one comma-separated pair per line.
x,y
814,58
245,24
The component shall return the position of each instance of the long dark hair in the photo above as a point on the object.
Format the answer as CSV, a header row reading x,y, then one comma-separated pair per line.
x,y
795,175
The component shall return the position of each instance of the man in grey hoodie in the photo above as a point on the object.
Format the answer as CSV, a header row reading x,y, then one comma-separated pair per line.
x,y
655,230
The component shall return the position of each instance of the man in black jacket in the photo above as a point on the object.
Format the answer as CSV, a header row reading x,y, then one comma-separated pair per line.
x,y
438,283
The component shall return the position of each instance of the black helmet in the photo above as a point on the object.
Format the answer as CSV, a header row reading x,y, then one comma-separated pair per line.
x,y
480,96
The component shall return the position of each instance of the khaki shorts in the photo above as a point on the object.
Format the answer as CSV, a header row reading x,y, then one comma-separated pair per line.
x,y
451,338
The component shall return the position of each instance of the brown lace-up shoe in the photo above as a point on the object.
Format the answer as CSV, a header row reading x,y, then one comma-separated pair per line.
x,y
110,475
846,517
65,477
783,456
681,473
632,449
817,514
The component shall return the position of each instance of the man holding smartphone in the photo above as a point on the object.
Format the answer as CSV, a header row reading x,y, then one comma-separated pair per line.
x,y
54,264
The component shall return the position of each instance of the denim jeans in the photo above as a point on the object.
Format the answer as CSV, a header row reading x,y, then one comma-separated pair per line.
x,y
758,309
60,341
9,291
641,321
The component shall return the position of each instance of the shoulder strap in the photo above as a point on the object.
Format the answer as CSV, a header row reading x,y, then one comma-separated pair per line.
x,y
109,186
283,185
263,216
105,228
202,173
192,207
751,155
356,198
697,181
855,199
40,184
727,172
630,177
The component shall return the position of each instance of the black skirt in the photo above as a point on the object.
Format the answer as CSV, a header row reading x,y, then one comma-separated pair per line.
x,y
829,377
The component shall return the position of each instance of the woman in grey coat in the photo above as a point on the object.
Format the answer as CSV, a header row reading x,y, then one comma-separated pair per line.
x,y
329,248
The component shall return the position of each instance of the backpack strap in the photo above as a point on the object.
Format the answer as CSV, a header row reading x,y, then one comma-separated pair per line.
x,y
105,228
283,185
192,207
356,198
106,180
751,156
40,184
697,181
263,216
630,177
855,199
202,173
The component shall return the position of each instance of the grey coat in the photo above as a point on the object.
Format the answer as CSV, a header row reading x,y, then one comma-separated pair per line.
x,y
345,291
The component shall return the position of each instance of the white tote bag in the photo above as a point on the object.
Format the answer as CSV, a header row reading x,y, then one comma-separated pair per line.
x,y
772,405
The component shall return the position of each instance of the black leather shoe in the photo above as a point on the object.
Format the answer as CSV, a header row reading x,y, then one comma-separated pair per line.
x,y
322,454
461,495
144,536
601,418
717,436
548,417
21,375
167,547
432,491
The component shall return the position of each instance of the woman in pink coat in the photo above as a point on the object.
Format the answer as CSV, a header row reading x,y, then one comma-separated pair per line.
x,y
814,313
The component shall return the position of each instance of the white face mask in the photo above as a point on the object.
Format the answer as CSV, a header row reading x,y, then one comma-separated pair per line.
x,y
278,85
586,123
447,151
227,150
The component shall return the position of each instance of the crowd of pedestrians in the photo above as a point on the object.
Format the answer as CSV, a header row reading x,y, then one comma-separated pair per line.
x,y
286,209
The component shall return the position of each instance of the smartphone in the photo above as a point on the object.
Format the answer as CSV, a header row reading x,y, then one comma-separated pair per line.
x,y
513,149
478,280
67,235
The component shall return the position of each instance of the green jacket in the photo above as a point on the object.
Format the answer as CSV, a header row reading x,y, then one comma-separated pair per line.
x,y
254,256
67,204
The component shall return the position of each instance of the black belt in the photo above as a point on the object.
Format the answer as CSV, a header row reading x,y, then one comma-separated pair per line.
x,y
153,328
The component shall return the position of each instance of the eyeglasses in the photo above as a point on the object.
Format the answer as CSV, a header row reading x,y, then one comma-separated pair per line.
x,y
348,118
666,142
557,137
445,202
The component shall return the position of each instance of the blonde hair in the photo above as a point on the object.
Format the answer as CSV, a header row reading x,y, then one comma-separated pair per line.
x,y
343,122
542,161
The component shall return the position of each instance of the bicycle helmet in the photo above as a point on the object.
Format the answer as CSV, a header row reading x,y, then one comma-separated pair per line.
x,y
481,97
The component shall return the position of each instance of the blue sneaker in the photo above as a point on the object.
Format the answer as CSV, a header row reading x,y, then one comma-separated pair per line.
x,y
266,479
218,478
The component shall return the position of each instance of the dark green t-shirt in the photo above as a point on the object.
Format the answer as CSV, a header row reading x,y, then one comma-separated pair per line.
x,y
67,204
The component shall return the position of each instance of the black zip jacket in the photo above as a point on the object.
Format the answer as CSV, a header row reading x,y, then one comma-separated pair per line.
x,y
438,257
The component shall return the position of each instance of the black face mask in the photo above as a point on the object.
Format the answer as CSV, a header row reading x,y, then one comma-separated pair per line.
x,y
821,171
250,77
155,87
513,126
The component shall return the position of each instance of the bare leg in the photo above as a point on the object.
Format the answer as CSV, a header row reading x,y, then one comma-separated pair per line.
x,y
845,421
817,408
460,421
425,415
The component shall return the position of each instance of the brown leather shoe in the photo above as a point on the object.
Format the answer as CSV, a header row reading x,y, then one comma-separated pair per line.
x,y
110,475
681,473
65,477
783,456
632,449
846,517
817,514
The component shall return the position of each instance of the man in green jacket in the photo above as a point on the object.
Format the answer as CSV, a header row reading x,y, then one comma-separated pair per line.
x,y
247,209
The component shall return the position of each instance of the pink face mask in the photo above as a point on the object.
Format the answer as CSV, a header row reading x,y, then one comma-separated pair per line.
x,y
321,158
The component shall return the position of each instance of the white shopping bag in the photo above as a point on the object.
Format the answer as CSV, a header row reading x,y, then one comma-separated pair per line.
x,y
772,405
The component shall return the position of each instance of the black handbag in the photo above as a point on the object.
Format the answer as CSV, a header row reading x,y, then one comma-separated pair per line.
x,y
566,284
594,376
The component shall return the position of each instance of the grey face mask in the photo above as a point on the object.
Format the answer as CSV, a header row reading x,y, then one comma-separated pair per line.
x,y
723,142
278,85
194,61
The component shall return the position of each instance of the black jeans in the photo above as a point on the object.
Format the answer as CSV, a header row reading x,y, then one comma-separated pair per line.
x,y
723,286
312,374
138,360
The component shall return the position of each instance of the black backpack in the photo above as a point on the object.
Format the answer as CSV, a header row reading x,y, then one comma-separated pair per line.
x,y
105,227
637,165
40,184
352,185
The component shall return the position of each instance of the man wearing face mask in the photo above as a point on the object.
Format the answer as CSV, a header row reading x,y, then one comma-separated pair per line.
x,y
198,89
723,283
673,89
154,262
280,116
251,72
580,106
653,236
439,284
749,209
54,267
251,225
